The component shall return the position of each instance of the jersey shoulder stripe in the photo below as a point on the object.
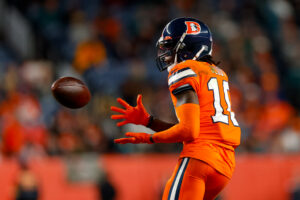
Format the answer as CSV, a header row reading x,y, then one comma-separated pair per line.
x,y
181,74
182,88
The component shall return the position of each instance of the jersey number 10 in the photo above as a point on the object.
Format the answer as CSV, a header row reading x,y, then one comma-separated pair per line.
x,y
219,116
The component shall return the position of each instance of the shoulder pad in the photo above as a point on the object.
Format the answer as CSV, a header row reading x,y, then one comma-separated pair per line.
x,y
180,74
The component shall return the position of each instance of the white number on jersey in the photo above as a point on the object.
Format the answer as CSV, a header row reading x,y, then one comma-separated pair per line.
x,y
219,116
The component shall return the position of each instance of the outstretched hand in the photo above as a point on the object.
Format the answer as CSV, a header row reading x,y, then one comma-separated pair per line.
x,y
135,138
136,115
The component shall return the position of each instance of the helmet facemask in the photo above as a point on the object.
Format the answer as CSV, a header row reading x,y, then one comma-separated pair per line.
x,y
183,39
165,54
167,51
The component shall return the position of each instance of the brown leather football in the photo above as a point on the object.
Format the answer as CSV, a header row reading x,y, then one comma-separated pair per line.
x,y
71,92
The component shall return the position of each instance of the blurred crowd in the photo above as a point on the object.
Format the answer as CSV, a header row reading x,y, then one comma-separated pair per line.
x,y
110,45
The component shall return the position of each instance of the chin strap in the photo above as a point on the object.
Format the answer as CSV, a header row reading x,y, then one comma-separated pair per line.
x,y
179,45
203,48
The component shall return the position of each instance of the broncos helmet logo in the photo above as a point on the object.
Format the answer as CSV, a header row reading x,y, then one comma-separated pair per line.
x,y
192,27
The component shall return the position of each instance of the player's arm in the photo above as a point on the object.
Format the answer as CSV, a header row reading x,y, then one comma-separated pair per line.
x,y
138,115
158,125
188,113
188,96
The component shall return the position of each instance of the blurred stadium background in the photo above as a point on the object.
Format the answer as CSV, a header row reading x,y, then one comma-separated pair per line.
x,y
54,153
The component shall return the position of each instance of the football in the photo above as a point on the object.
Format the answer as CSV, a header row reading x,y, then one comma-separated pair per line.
x,y
71,92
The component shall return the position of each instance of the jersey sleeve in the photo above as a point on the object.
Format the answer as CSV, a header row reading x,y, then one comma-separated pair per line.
x,y
183,79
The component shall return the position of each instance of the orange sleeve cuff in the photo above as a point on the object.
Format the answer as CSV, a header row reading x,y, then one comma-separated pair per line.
x,y
187,129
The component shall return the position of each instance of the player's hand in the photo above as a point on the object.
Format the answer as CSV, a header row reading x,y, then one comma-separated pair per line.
x,y
135,138
136,115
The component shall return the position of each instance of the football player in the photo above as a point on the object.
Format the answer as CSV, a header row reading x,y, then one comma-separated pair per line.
x,y
206,126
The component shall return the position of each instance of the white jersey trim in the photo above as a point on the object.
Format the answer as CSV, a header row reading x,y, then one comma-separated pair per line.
x,y
177,76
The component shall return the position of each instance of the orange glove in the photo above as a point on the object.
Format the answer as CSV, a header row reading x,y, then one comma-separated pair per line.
x,y
136,115
135,138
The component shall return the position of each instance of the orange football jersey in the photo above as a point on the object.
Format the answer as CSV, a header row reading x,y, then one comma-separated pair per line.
x,y
219,130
